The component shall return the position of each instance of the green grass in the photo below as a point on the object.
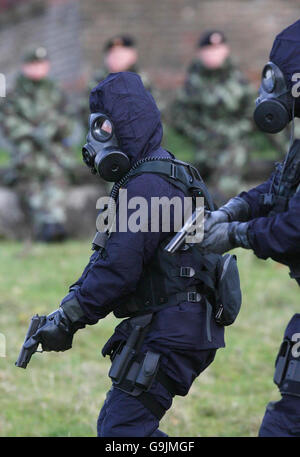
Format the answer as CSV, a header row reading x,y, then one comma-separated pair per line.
x,y
60,394
4,157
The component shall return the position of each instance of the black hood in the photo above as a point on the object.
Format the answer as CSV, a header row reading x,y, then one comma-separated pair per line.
x,y
132,109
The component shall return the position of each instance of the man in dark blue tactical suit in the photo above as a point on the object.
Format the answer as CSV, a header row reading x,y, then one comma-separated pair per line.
x,y
175,337
267,219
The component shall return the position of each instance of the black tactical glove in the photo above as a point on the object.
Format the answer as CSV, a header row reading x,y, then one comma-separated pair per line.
x,y
57,332
225,236
236,209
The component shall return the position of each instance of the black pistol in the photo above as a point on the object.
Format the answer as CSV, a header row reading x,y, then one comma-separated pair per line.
x,y
25,354
178,240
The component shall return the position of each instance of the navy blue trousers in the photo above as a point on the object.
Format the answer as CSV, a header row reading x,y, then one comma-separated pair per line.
x,y
282,418
124,415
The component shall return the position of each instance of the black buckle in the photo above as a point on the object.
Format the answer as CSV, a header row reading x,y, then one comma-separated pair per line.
x,y
194,297
99,241
173,173
187,272
267,199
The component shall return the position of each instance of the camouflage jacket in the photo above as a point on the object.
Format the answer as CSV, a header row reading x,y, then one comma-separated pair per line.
x,y
214,108
35,121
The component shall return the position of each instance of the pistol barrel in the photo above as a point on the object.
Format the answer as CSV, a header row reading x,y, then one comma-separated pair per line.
x,y
188,227
25,354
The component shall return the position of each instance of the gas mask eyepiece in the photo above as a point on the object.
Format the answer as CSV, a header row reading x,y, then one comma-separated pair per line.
x,y
102,153
274,105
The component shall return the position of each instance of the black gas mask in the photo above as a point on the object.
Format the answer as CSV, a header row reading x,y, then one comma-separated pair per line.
x,y
102,153
274,106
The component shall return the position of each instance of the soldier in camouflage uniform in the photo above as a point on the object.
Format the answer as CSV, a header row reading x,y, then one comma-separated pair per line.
x,y
120,54
35,122
213,110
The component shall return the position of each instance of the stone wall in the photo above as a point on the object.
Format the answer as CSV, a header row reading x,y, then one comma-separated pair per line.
x,y
167,30
75,31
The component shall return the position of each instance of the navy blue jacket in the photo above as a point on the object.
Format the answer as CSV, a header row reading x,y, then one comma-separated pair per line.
x,y
277,236
104,282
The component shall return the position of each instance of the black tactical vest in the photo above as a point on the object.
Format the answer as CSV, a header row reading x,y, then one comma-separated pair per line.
x,y
187,275
285,184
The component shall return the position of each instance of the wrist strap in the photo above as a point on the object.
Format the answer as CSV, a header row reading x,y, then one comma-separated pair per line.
x,y
72,309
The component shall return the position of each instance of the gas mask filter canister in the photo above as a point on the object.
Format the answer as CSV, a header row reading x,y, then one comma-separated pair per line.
x,y
274,105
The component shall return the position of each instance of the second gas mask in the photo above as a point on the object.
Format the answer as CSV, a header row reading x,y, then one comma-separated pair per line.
x,y
102,152
274,106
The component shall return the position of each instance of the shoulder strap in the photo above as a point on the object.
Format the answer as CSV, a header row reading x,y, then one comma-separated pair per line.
x,y
285,182
182,175
291,171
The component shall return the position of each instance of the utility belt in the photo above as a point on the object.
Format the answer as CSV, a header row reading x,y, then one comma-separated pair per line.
x,y
287,371
133,371
187,276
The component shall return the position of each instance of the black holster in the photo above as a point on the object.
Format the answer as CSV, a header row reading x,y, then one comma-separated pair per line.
x,y
287,371
133,371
